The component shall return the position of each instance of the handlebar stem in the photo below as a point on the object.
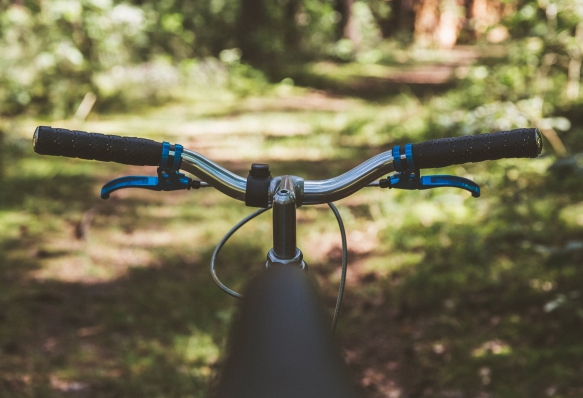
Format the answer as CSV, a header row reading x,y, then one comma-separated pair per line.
x,y
285,202
284,224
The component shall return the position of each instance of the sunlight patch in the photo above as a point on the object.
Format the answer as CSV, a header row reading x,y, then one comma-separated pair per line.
x,y
492,347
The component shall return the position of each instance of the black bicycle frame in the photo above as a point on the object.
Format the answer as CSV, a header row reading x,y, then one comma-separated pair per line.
x,y
281,344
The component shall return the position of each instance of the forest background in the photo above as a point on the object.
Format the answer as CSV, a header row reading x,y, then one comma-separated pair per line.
x,y
448,296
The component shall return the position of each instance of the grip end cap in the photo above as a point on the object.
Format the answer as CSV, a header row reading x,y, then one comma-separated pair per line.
x,y
42,135
539,141
35,138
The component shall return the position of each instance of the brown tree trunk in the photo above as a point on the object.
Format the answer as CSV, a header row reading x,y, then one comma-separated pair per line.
x,y
401,19
252,20
2,155
350,29
426,20
344,8
574,71
292,37
438,22
485,14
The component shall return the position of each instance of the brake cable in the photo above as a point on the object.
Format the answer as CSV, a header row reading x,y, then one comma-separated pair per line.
x,y
261,211
222,243
344,265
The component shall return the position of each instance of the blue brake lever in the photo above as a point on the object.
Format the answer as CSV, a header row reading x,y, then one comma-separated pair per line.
x,y
408,176
443,180
166,181
169,179
146,182
412,180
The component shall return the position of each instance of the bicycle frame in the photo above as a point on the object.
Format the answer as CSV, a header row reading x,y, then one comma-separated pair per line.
x,y
280,343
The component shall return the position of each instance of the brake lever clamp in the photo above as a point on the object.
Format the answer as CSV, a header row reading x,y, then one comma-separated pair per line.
x,y
168,179
408,176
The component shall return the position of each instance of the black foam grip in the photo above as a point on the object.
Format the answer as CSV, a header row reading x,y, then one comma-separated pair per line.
x,y
519,143
94,146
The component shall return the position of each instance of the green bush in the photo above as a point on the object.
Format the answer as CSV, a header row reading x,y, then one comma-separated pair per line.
x,y
52,49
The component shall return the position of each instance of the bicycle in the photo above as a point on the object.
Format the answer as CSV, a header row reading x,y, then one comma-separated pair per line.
x,y
279,344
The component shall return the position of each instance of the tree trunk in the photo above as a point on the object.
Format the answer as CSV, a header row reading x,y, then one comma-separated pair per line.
x,y
426,21
574,71
252,20
292,37
401,19
344,8
350,29
486,14
2,154
438,22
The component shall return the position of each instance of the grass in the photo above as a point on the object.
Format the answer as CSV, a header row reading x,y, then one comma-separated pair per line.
x,y
447,295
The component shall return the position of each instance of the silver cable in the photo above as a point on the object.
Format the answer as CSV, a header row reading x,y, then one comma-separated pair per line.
x,y
220,246
344,265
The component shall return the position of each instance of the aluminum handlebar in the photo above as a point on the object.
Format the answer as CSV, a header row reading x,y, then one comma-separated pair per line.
x,y
315,192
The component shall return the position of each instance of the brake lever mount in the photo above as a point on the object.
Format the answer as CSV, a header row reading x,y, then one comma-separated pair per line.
x,y
412,180
168,179
409,177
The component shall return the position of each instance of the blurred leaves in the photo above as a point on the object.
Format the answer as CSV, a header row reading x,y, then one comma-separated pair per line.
x,y
55,52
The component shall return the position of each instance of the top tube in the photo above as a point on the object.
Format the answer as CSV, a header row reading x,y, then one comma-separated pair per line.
x,y
315,191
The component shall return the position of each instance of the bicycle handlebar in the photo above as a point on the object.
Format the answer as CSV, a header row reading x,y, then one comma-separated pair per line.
x,y
525,143
519,143
94,146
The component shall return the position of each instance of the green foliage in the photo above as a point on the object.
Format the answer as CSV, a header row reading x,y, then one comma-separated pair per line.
x,y
537,62
55,52
184,29
51,50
